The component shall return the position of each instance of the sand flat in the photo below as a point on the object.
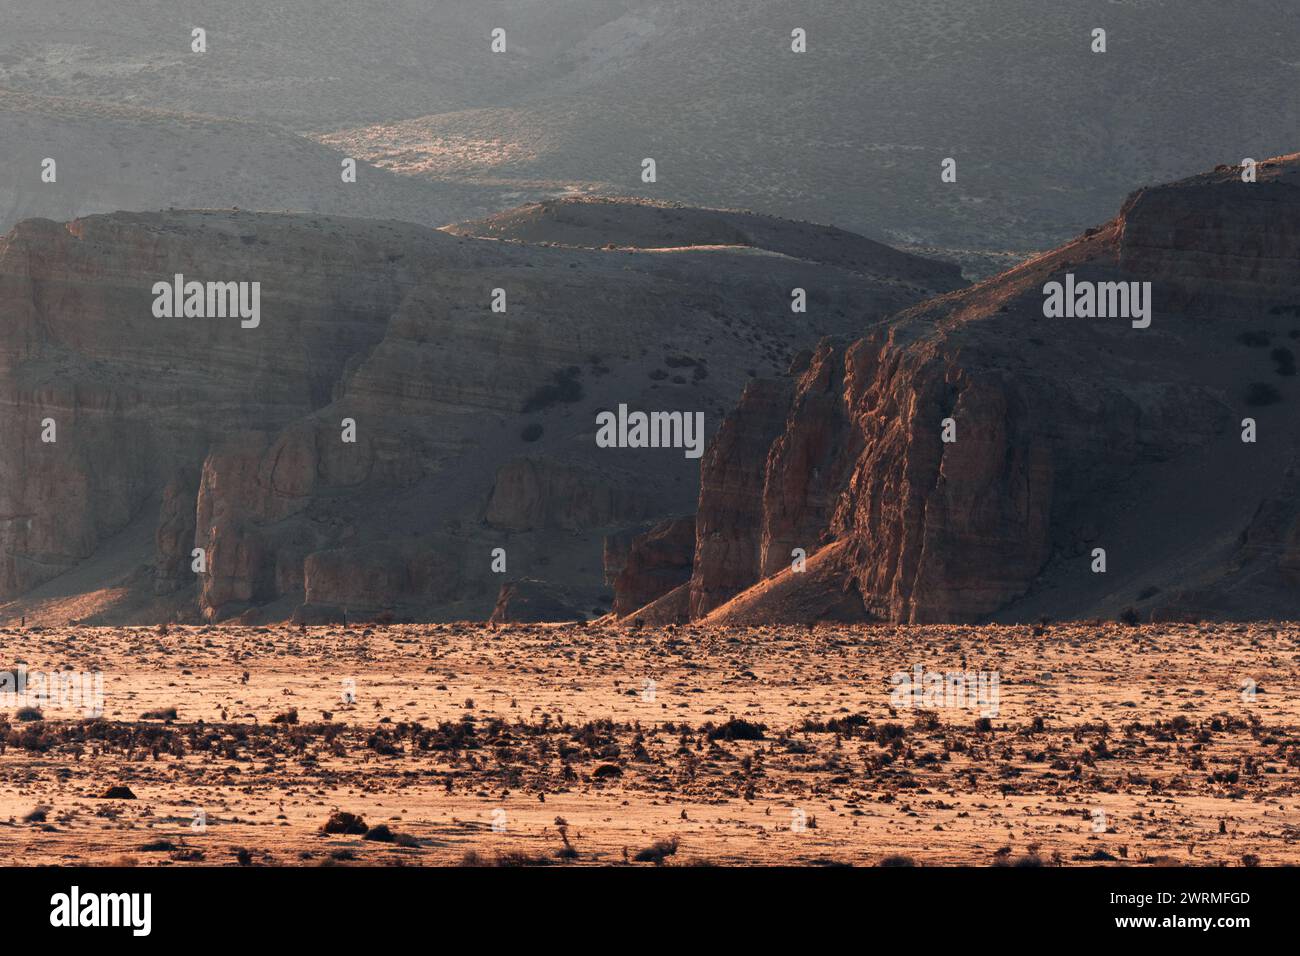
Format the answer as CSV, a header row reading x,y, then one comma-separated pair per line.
x,y
1111,745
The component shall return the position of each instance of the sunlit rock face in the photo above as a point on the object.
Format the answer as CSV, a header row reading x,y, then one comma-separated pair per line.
x,y
1094,464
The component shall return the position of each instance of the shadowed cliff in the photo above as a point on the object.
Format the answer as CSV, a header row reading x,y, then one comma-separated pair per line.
x,y
474,428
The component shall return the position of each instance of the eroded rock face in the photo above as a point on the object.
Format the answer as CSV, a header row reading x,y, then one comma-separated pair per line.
x,y
658,562
539,493
935,531
804,468
133,397
529,601
175,535
395,577
471,432
615,550
1071,435
730,519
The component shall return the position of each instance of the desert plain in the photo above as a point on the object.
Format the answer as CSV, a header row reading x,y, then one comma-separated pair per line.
x,y
610,744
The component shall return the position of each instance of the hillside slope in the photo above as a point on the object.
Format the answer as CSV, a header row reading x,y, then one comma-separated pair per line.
x,y
1048,135
112,157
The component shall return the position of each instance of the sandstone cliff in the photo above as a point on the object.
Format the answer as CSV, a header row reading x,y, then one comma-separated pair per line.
x,y
1070,435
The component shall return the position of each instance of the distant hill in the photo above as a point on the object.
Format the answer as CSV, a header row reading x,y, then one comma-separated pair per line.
x,y
1048,136
119,157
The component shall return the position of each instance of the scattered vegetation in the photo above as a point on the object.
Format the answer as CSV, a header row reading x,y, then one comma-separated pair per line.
x,y
341,821
735,729
504,858
657,852
566,852
1283,361
564,388
1262,393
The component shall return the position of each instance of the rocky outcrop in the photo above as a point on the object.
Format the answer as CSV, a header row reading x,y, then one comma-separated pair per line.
x,y
806,464
670,608
658,561
972,458
530,601
729,523
1215,241
395,577
129,398
615,551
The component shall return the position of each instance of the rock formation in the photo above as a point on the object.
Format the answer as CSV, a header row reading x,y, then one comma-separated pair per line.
x,y
658,562
371,443
1071,439
529,601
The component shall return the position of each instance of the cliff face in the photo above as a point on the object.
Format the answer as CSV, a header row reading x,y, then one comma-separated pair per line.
x,y
374,439
729,522
658,561
132,397
1066,435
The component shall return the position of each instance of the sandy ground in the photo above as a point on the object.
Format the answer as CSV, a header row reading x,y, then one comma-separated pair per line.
x,y
1111,745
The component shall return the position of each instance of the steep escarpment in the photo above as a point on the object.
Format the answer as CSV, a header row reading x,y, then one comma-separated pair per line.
x,y
408,423
104,402
974,458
